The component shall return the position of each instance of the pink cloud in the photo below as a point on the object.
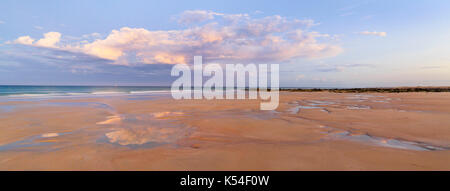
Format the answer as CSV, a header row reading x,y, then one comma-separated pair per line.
x,y
374,33
224,37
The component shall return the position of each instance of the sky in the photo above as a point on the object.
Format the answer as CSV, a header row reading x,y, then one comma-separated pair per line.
x,y
323,43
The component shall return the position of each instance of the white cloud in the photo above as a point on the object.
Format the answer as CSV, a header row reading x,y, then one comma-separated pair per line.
x,y
194,16
38,27
374,33
225,37
27,40
92,35
2,22
50,40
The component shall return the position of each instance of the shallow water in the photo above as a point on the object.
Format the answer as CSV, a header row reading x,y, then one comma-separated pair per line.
x,y
298,107
32,143
380,141
146,130
320,103
7,108
358,107
83,104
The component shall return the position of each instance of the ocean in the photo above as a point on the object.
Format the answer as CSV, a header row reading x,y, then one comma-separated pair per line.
x,y
25,90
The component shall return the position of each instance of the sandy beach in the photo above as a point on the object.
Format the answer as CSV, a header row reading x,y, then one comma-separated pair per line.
x,y
308,131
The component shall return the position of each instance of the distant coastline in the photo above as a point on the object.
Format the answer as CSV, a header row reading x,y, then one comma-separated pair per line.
x,y
378,89
46,90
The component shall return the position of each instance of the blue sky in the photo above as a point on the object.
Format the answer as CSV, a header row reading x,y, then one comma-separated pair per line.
x,y
317,43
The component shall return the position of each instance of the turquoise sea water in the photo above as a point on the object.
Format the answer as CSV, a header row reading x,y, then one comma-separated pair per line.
x,y
12,91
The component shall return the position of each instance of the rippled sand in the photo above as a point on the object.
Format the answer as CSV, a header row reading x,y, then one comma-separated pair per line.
x,y
308,131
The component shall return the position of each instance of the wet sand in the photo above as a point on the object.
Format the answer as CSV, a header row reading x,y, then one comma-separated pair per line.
x,y
308,131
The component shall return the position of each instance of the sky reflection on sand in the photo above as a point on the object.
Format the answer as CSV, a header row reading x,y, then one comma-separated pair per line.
x,y
134,130
7,108
119,129
334,133
33,143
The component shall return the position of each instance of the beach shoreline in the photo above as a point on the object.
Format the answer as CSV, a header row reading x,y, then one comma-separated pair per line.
x,y
308,131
